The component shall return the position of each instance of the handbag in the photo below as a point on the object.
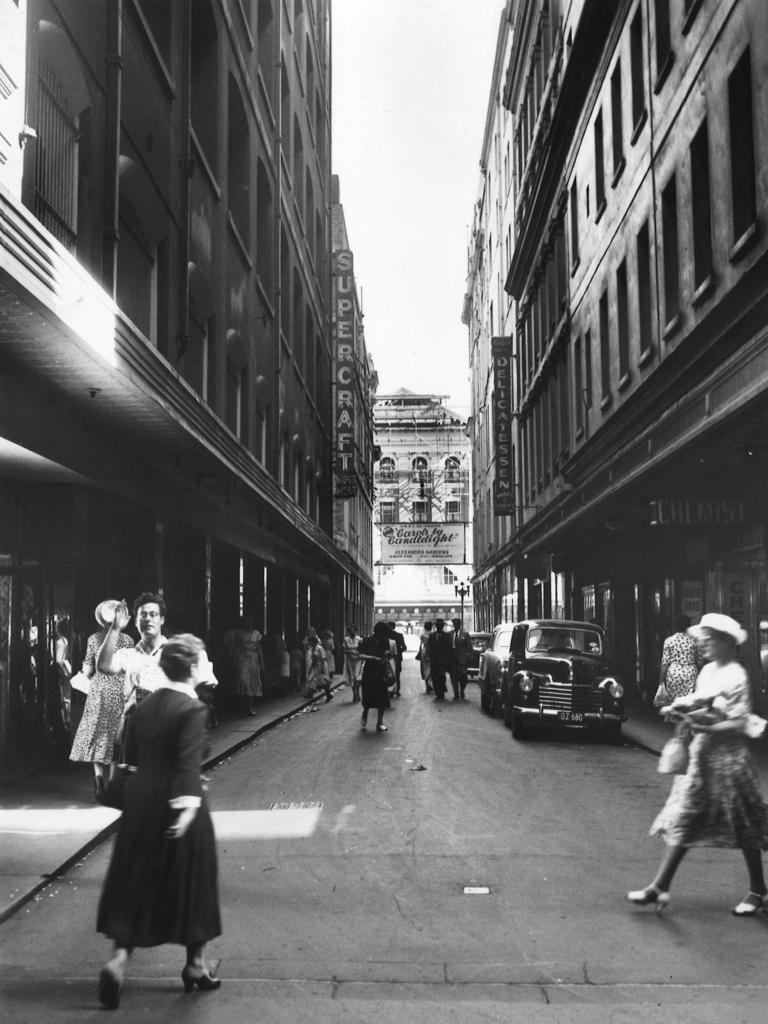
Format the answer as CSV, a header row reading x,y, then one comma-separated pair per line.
x,y
81,682
113,793
674,756
661,696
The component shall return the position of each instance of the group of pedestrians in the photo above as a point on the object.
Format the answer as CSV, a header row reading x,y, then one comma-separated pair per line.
x,y
445,655
143,710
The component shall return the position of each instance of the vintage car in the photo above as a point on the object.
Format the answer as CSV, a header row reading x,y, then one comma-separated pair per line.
x,y
552,673
479,644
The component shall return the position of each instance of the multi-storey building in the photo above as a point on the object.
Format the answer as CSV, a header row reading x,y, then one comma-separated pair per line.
x,y
640,347
354,388
165,395
488,313
422,511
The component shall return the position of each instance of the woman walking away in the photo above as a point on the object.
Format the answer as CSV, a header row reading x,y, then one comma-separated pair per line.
x,y
103,711
718,801
378,674
161,885
353,666
681,662
423,657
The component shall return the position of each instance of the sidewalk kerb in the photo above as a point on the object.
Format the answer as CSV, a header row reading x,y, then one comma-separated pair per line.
x,y
106,832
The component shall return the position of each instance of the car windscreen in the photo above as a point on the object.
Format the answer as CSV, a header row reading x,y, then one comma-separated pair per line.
x,y
551,638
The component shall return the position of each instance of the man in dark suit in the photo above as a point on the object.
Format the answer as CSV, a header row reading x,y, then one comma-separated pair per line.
x,y
462,654
401,646
440,654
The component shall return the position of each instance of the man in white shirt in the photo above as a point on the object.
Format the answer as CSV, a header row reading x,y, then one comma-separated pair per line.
x,y
141,663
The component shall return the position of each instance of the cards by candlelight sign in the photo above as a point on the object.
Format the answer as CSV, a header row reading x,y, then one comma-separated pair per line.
x,y
423,543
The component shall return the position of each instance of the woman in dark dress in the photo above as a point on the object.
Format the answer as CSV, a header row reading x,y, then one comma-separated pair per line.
x,y
161,885
378,675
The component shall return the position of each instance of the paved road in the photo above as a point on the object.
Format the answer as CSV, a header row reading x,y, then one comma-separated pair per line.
x,y
344,861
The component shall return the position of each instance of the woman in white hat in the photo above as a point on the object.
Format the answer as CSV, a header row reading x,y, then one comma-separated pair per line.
x,y
96,734
717,802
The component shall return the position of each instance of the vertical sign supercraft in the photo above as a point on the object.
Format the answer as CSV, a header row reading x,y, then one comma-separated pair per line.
x,y
504,482
344,411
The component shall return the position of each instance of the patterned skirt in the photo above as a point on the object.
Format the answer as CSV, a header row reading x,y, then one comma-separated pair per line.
x,y
718,801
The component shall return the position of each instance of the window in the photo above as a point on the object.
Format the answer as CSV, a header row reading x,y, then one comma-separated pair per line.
x,y
420,512
419,469
617,123
701,212
671,255
599,167
266,39
644,289
588,370
622,304
449,578
564,402
238,164
452,469
664,55
453,511
636,70
605,349
204,81
578,383
389,512
743,195
574,228
387,469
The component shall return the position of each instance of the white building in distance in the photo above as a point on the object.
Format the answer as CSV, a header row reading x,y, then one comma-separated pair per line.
x,y
422,511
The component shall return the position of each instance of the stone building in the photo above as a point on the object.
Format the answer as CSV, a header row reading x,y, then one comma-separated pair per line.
x,y
640,342
354,389
165,309
422,512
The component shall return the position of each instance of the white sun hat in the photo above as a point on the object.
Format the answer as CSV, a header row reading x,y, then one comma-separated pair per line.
x,y
720,624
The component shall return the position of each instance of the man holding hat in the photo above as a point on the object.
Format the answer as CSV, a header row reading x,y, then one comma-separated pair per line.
x,y
141,664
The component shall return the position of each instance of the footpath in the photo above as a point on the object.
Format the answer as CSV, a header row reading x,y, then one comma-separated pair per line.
x,y
49,821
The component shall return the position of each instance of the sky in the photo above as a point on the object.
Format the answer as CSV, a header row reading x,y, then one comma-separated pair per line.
x,y
411,82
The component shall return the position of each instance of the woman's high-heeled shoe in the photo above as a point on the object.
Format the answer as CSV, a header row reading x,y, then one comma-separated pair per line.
x,y
200,976
651,894
752,904
110,985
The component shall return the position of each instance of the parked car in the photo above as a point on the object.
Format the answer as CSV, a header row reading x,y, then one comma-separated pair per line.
x,y
555,673
479,644
492,665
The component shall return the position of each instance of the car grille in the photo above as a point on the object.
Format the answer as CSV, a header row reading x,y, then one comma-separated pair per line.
x,y
566,697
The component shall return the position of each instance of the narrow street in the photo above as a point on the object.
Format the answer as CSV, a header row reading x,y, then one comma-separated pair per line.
x,y
344,857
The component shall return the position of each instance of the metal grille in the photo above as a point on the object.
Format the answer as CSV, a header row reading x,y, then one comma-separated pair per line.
x,y
565,697
57,158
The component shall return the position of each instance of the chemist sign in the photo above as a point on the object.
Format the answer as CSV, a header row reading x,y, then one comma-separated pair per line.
x,y
423,543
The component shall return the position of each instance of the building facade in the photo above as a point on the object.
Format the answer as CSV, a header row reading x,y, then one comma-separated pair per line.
x,y
422,511
354,450
489,313
165,307
639,345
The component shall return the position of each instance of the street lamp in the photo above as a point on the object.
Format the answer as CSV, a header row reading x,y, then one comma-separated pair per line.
x,y
461,592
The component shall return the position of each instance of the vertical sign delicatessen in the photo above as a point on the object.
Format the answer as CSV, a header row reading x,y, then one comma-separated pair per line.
x,y
504,482
344,339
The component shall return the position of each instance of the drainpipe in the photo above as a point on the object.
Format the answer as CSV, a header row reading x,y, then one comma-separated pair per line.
x,y
186,171
114,72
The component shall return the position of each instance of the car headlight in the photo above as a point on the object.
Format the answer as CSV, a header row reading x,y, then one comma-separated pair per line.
x,y
614,687
526,684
